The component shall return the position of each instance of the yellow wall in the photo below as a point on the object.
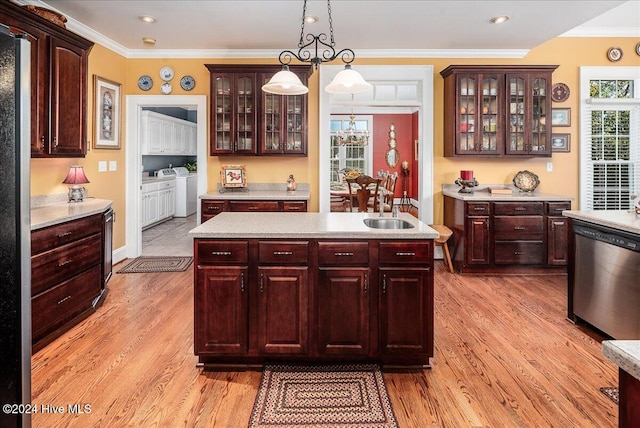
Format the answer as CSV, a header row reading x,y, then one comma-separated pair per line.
x,y
568,53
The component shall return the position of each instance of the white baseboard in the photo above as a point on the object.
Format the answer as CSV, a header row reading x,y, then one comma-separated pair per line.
x,y
119,255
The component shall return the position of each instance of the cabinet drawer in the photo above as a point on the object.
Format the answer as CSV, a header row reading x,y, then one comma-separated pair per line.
x,y
556,208
222,252
477,208
54,236
519,227
343,253
517,208
283,252
519,252
212,207
402,253
63,302
61,263
248,206
295,206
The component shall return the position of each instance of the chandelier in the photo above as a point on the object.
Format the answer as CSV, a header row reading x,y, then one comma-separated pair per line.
x,y
316,50
351,136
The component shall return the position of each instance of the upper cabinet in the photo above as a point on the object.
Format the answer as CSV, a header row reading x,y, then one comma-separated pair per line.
x,y
247,121
58,83
497,110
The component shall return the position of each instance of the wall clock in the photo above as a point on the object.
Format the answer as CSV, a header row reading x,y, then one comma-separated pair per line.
x,y
614,54
145,83
560,92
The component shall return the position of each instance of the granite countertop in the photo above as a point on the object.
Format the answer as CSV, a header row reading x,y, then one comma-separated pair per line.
x,y
307,226
624,220
49,214
481,193
625,354
261,191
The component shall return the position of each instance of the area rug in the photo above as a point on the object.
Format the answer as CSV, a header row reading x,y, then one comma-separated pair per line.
x,y
612,392
157,264
337,396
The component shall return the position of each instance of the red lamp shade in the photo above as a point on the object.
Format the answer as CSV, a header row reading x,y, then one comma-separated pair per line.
x,y
76,175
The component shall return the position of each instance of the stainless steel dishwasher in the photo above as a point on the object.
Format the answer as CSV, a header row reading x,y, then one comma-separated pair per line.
x,y
606,291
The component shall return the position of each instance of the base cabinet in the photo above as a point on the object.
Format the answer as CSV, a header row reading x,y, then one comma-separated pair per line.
x,y
212,207
313,300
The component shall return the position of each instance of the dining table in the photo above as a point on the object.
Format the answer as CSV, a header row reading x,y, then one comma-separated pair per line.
x,y
352,197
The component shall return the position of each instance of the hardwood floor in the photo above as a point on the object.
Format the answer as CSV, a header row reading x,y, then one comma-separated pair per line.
x,y
505,356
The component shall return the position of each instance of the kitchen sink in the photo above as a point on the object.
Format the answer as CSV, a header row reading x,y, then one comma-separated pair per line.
x,y
387,223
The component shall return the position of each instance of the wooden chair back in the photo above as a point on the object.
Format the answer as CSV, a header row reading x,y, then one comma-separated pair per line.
x,y
363,192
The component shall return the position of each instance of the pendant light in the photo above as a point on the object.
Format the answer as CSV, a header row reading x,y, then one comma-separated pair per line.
x,y
348,81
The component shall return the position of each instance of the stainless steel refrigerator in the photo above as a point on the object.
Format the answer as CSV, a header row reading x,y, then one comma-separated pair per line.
x,y
15,229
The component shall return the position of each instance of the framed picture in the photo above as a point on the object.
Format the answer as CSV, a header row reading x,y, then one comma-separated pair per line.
x,y
108,110
560,142
561,117
233,176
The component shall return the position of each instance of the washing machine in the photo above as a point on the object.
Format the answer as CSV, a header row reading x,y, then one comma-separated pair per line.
x,y
186,192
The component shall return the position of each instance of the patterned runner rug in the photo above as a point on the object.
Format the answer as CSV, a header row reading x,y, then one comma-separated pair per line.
x,y
157,264
612,392
337,396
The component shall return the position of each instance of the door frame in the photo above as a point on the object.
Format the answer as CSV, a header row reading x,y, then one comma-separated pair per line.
x,y
133,182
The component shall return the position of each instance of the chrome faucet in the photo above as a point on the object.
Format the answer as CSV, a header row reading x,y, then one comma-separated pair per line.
x,y
380,203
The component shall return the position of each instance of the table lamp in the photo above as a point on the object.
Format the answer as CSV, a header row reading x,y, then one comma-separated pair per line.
x,y
76,177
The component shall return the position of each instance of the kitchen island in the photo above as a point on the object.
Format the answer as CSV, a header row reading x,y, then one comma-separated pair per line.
x,y
626,355
313,287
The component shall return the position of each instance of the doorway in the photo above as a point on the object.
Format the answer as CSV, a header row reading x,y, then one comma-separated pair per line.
x,y
135,103
395,88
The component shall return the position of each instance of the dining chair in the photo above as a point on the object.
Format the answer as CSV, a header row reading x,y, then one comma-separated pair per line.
x,y
363,189
390,190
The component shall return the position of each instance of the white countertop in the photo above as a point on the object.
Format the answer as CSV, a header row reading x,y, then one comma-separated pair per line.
x,y
481,193
625,354
261,191
617,219
306,225
56,213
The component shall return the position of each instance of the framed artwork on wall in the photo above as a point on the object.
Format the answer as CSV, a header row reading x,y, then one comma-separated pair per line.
x,y
107,107
561,117
560,142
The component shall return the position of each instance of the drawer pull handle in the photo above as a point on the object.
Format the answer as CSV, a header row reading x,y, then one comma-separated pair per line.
x,y
261,282
519,253
384,283
343,254
282,253
293,208
62,235
61,301
254,208
66,262
560,209
213,208
221,253
242,282
479,208
411,254
366,284
520,209
520,228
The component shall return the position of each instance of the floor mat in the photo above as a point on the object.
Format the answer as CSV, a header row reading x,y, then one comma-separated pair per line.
x,y
157,264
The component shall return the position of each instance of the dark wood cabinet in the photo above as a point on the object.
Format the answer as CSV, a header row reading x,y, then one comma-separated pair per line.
x,y
59,70
67,274
247,121
313,300
210,207
507,236
497,110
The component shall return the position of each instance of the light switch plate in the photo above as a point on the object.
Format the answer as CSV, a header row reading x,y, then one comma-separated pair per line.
x,y
102,166
113,165
549,166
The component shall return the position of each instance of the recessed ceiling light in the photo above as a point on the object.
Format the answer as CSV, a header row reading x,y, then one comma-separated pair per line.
x,y
310,19
149,41
148,19
499,19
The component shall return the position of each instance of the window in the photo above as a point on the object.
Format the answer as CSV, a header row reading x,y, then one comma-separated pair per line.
x,y
350,156
610,137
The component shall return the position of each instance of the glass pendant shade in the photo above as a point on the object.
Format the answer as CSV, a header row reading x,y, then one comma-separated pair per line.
x,y
348,81
285,82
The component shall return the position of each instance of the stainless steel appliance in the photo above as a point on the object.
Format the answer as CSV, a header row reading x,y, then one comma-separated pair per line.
x,y
606,291
15,230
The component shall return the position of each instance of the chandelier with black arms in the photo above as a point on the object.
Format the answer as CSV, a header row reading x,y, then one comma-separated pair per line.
x,y
316,50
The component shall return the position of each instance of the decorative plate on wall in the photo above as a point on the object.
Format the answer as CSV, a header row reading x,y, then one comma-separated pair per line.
x,y
614,54
145,82
187,83
560,92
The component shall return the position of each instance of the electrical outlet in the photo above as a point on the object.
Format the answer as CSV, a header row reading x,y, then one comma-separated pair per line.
x,y
102,166
549,166
113,165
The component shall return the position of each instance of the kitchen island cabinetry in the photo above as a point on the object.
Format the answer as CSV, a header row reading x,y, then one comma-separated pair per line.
x,y
59,61
506,233
69,269
497,110
309,296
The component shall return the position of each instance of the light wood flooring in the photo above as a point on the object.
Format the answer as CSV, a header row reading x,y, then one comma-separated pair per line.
x,y
505,356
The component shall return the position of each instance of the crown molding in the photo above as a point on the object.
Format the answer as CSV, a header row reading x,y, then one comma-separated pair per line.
x,y
602,32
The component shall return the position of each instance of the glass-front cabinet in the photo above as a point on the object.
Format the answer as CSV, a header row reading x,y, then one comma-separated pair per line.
x,y
247,121
497,110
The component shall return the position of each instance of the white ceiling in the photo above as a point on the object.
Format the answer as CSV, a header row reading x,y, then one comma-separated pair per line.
x,y
436,28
